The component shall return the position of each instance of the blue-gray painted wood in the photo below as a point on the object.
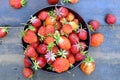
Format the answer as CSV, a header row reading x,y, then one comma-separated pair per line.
x,y
88,9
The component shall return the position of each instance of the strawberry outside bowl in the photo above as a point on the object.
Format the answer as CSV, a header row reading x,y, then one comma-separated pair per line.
x,y
63,20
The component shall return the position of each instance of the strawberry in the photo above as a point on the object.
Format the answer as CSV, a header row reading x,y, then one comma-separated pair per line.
x,y
30,52
88,65
58,25
82,34
35,45
74,39
61,12
67,28
82,45
110,19
40,62
3,31
49,39
27,62
97,39
29,36
75,48
41,31
17,3
49,29
62,41
42,49
74,25
94,25
36,22
61,65
71,1
43,15
52,2
50,20
55,49
70,16
71,59
80,56
27,72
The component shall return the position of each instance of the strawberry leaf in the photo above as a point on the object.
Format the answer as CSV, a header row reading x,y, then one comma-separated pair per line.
x,y
23,32
50,46
23,2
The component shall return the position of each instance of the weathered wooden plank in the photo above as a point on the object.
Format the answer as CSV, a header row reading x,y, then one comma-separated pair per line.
x,y
88,9
106,57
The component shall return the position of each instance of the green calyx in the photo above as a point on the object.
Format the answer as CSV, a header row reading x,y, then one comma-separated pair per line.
x,y
57,37
52,13
84,52
62,53
23,32
41,38
90,28
35,65
23,2
88,60
5,29
30,27
66,1
50,67
50,46
71,65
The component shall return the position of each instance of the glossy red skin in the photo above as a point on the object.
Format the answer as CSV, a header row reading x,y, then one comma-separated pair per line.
x,y
110,19
74,39
74,49
52,2
27,72
35,45
42,49
79,57
30,52
15,4
41,31
59,25
64,11
43,15
94,24
30,37
41,62
49,29
37,23
27,63
82,34
2,33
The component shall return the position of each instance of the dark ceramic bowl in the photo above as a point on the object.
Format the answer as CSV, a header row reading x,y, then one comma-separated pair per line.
x,y
87,41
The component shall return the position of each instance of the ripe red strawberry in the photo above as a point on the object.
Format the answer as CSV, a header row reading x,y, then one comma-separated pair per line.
x,y
43,15
50,20
55,49
74,39
88,65
49,29
36,22
27,72
30,52
40,62
52,2
94,25
29,36
61,12
61,65
35,45
17,3
27,63
42,49
49,39
82,34
41,31
110,19
71,59
75,48
80,56
67,29
3,31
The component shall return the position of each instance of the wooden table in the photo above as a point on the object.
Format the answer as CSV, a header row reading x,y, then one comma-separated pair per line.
x,y
107,56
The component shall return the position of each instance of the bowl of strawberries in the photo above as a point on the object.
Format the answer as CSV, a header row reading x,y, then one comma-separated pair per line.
x,y
56,39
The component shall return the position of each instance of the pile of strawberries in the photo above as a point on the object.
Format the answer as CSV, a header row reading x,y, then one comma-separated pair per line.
x,y
55,40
